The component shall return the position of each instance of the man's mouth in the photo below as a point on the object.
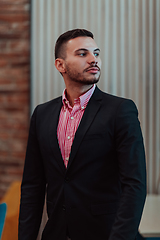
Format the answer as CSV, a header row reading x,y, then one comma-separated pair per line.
x,y
93,69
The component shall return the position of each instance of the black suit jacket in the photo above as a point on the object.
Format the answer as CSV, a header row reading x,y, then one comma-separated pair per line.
x,y
102,192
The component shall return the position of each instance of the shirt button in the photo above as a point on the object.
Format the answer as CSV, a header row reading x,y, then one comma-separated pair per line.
x,y
68,137
72,118
67,158
82,107
67,179
64,207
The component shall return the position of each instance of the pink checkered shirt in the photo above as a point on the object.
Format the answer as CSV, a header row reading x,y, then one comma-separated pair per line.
x,y
69,120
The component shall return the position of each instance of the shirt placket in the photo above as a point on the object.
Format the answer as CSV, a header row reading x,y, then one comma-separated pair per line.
x,y
70,131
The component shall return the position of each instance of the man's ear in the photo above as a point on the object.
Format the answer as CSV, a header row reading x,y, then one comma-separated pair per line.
x,y
59,64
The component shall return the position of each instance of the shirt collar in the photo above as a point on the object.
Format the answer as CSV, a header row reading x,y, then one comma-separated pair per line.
x,y
83,99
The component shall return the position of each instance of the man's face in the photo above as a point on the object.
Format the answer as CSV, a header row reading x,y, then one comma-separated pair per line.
x,y
82,62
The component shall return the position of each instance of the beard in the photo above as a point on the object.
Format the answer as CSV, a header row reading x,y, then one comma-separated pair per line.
x,y
80,78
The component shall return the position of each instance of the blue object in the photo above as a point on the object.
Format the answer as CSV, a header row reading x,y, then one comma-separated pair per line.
x,y
3,208
139,237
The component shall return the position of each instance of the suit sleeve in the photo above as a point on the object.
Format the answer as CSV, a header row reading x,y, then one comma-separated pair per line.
x,y
132,172
32,188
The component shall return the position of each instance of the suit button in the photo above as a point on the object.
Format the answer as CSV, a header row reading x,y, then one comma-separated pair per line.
x,y
64,207
67,179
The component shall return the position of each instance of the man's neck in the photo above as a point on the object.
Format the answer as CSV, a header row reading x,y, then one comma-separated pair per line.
x,y
75,92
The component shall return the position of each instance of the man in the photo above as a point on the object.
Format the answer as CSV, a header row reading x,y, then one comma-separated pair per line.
x,y
85,151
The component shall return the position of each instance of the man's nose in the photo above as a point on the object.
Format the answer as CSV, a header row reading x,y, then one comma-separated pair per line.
x,y
92,59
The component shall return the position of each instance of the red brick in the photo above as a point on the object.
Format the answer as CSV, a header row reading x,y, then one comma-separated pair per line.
x,y
14,35
11,159
21,47
14,46
4,135
3,45
11,124
15,1
14,75
12,87
17,28
3,155
9,55
20,135
3,62
4,145
12,7
14,79
18,116
14,17
14,171
14,99
9,178
19,156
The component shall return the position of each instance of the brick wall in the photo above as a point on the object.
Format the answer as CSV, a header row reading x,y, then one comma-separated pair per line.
x,y
14,88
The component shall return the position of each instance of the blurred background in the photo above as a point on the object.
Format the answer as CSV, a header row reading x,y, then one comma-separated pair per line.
x,y
128,34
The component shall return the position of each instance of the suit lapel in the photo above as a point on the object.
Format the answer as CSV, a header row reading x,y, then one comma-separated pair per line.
x,y
54,117
87,119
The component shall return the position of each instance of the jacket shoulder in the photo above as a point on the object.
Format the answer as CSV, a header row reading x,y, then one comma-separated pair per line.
x,y
43,107
111,99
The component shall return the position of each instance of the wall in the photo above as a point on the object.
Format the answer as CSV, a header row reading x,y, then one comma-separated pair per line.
x,y
14,88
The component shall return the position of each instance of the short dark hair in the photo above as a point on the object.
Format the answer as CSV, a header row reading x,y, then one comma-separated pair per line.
x,y
65,37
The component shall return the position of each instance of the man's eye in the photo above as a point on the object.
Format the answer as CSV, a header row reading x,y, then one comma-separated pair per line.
x,y
82,54
96,54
